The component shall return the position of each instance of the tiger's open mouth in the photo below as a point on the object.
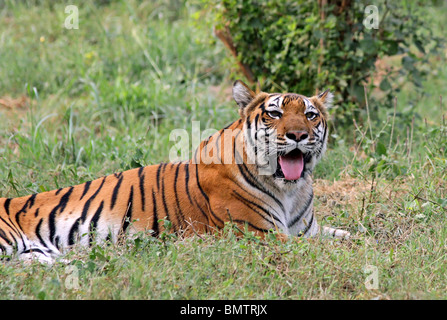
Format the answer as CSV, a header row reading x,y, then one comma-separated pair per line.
x,y
290,166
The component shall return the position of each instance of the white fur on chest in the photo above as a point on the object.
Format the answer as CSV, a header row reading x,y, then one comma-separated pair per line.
x,y
298,206
292,203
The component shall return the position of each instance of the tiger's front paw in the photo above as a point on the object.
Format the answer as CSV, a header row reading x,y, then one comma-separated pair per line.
x,y
336,233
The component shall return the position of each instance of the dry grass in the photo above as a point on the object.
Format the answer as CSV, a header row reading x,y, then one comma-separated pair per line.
x,y
13,103
347,193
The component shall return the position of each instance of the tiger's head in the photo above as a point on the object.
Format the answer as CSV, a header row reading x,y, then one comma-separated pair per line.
x,y
285,134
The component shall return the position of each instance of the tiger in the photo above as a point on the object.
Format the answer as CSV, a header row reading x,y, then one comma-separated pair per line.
x,y
255,173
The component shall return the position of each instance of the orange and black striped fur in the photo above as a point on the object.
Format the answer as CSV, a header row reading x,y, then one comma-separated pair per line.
x,y
256,173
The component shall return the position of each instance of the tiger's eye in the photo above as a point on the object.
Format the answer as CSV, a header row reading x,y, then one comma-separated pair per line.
x,y
274,114
311,115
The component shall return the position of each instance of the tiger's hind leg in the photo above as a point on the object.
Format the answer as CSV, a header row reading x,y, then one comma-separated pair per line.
x,y
32,253
20,246
37,253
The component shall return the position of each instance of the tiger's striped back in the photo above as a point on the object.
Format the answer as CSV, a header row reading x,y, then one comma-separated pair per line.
x,y
133,200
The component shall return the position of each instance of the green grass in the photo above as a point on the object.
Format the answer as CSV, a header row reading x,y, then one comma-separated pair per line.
x,y
105,98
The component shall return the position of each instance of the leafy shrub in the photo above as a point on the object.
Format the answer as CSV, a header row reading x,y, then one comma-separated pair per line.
x,y
301,46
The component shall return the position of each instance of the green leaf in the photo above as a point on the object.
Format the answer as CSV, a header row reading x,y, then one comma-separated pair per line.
x,y
385,85
443,202
419,45
41,295
381,149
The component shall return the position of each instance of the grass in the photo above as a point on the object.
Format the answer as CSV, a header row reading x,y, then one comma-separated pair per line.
x,y
105,98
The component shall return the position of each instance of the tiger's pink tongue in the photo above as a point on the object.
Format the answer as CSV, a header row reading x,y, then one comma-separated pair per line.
x,y
292,165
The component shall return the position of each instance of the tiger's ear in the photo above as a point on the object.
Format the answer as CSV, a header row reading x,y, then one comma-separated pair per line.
x,y
242,94
326,98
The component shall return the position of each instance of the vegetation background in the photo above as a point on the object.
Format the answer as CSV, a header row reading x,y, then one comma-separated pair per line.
x,y
79,104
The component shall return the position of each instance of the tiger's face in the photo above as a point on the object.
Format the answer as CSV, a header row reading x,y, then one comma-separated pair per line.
x,y
285,134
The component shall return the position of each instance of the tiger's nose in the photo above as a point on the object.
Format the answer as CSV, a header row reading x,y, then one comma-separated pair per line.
x,y
297,136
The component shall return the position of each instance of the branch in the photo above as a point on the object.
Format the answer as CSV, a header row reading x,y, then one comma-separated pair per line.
x,y
225,36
